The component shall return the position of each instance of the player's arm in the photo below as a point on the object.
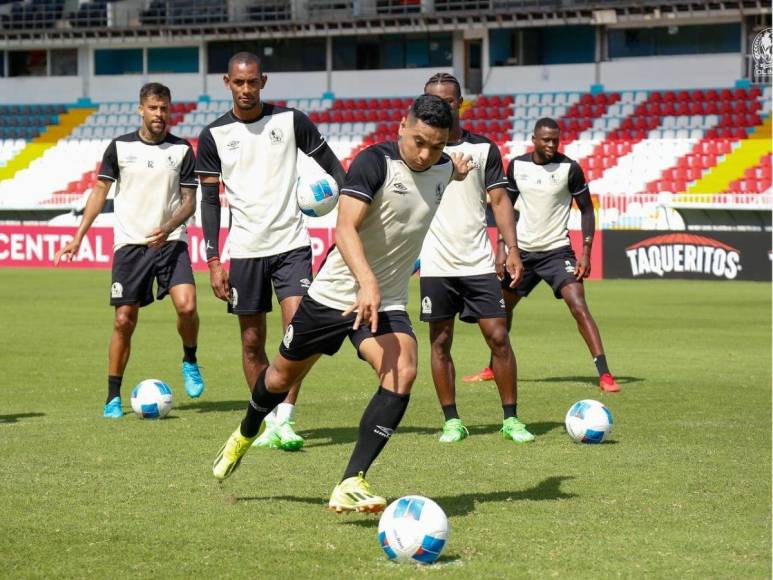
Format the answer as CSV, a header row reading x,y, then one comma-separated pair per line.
x,y
309,141
351,213
187,205
93,208
504,216
579,190
208,168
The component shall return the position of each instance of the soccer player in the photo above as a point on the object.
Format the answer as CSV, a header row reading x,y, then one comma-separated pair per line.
x,y
458,275
155,194
544,184
390,195
253,149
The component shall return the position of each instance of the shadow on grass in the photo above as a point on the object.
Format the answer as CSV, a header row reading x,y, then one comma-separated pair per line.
x,y
454,505
214,406
8,419
621,380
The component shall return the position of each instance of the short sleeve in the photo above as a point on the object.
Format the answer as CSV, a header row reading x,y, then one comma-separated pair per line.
x,y
512,186
307,137
207,159
577,184
109,167
495,174
366,175
188,169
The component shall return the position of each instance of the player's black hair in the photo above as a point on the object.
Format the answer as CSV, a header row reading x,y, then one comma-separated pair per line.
x,y
444,78
244,58
432,111
155,90
546,122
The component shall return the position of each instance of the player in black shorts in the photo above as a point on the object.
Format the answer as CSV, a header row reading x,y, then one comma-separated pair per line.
x,y
390,195
253,149
544,183
155,195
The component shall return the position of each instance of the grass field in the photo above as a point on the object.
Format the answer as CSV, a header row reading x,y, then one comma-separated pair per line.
x,y
683,489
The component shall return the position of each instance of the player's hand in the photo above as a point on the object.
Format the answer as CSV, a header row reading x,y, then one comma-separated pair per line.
x,y
462,165
68,252
218,279
366,306
157,238
500,257
514,268
582,270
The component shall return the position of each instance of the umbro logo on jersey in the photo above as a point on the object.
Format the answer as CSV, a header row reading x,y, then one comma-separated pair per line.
x,y
305,282
288,338
116,290
502,303
439,189
130,159
426,305
276,136
383,431
399,187
232,145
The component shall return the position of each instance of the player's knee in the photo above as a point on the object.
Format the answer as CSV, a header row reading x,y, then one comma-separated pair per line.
x,y
125,323
579,309
253,341
187,309
499,341
406,375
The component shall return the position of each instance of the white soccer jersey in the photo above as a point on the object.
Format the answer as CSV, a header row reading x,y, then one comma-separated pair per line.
x,y
148,178
402,205
457,243
544,198
257,164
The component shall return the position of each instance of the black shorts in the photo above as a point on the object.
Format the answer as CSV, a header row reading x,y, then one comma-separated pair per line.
x,y
251,280
318,329
556,267
472,297
136,266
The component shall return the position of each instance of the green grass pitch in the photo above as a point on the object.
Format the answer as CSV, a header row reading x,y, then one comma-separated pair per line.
x,y
682,489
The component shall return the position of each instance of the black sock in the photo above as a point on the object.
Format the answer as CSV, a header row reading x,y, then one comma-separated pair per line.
x,y
113,387
510,410
601,364
189,353
261,404
450,412
379,420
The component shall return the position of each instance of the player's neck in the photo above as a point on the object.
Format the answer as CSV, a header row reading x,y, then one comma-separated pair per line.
x,y
248,116
540,158
149,137
455,134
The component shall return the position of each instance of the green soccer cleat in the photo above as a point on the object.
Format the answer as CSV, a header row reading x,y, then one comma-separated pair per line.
x,y
230,455
514,430
353,495
269,439
289,440
454,431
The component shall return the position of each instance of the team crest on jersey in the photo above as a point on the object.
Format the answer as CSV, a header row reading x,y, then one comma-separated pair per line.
x,y
568,267
473,164
232,145
276,136
170,160
426,305
439,189
234,297
288,336
399,187
116,290
305,282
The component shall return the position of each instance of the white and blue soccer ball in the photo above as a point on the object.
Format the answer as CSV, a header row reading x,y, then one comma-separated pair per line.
x,y
317,194
588,421
152,399
413,529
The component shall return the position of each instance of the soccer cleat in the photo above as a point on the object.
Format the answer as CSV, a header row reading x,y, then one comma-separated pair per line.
x,y
194,384
454,431
514,430
269,439
113,409
485,375
608,384
230,455
289,439
353,495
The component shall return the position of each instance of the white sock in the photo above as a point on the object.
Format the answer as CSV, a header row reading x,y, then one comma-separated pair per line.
x,y
284,412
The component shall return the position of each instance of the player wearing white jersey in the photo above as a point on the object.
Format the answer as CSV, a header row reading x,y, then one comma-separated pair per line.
x,y
253,149
457,271
389,198
155,194
545,183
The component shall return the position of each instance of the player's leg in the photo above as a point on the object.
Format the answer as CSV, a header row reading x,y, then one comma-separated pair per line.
x,y
253,335
124,323
393,356
291,276
574,296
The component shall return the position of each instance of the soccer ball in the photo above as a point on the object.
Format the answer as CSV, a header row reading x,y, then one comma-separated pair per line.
x,y
588,421
413,529
152,399
317,194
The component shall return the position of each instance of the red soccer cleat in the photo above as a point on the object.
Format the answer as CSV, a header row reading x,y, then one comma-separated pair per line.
x,y
485,375
608,384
